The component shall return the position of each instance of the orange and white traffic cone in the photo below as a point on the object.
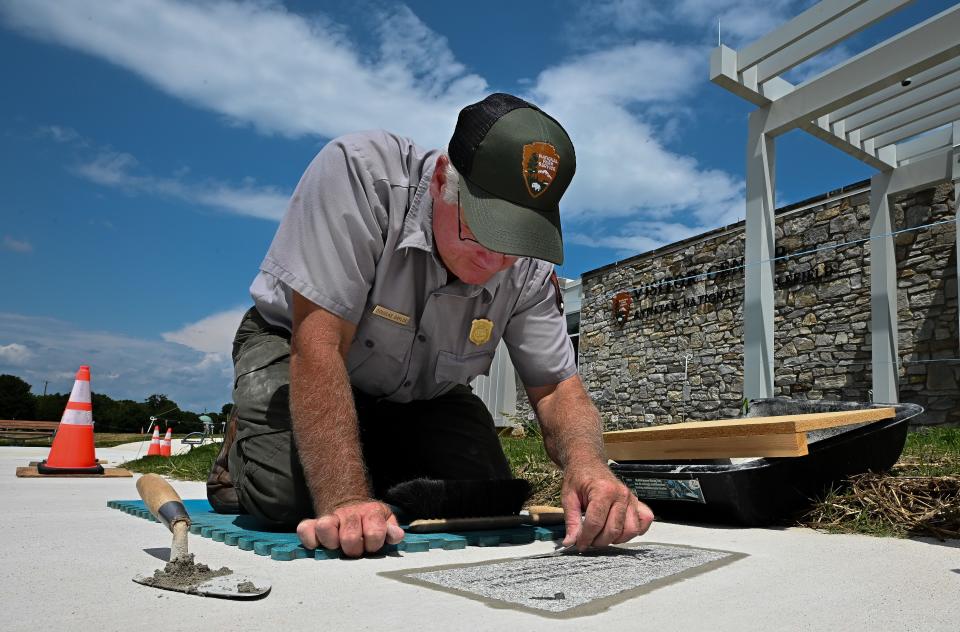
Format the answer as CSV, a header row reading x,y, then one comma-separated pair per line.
x,y
165,444
154,449
72,451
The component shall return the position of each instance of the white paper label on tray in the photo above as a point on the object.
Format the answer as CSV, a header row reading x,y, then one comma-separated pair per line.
x,y
666,489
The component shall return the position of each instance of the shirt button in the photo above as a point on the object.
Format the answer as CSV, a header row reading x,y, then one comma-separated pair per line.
x,y
422,338
368,342
407,383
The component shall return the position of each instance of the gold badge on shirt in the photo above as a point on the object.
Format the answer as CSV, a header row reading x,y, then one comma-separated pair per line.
x,y
480,331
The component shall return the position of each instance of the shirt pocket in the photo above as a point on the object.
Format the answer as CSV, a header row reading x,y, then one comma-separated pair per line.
x,y
462,368
378,354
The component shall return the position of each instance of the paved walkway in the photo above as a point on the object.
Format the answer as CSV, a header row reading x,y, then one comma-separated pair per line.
x,y
67,560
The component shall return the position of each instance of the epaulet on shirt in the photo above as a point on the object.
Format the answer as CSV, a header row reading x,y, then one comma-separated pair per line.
x,y
556,286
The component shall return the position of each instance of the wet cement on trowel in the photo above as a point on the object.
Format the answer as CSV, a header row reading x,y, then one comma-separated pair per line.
x,y
183,574
572,585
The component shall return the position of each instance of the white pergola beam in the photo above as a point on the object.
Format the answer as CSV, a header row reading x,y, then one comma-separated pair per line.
x,y
836,30
936,140
889,92
797,28
883,159
918,127
723,72
723,63
918,112
901,102
920,174
920,48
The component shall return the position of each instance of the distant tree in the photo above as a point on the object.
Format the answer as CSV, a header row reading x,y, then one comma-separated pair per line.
x,y
130,416
16,400
50,407
117,415
225,411
159,402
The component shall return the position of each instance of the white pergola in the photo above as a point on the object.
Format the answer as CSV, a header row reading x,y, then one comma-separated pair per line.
x,y
896,107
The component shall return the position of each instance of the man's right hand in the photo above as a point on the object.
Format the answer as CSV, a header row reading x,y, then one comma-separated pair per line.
x,y
355,528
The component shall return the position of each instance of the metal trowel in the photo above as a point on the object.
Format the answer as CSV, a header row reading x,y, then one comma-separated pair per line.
x,y
181,574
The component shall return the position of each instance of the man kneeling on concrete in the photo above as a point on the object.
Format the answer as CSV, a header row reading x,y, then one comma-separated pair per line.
x,y
393,276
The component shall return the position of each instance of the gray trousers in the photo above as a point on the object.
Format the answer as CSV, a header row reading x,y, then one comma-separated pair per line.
x,y
448,437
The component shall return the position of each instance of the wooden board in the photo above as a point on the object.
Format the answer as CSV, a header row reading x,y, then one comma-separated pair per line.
x,y
108,472
20,424
36,463
753,426
784,444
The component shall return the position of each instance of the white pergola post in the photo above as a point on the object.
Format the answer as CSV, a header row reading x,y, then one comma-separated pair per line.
x,y
759,273
883,292
955,172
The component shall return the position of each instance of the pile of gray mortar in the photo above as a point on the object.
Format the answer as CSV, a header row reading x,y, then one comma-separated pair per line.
x,y
183,573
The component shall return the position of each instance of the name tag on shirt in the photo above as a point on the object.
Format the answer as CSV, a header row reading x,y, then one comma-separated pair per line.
x,y
389,314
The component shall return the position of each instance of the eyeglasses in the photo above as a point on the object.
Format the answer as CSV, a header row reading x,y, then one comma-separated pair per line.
x,y
460,223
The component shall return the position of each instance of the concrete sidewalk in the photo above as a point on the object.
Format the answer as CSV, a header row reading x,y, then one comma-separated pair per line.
x,y
67,562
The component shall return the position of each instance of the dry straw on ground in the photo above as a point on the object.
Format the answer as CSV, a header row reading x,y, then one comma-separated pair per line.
x,y
898,505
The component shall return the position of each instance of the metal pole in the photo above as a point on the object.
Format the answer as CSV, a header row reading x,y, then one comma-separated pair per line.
x,y
758,307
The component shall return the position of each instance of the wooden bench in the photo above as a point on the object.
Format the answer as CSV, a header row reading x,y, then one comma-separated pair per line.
x,y
21,430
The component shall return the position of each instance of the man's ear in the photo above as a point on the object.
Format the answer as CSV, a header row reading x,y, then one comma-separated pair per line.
x,y
439,176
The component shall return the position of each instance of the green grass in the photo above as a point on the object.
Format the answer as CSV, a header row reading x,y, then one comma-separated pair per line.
x,y
191,466
930,452
529,460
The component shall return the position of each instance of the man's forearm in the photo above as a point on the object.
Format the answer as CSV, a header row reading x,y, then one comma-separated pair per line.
x,y
571,426
326,430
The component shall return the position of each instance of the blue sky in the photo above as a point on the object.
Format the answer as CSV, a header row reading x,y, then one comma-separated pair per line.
x,y
147,148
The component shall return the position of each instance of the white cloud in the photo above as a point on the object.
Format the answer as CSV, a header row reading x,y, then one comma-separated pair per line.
x,y
641,235
741,21
213,335
16,245
117,169
818,64
623,169
59,133
14,354
644,72
257,63
131,367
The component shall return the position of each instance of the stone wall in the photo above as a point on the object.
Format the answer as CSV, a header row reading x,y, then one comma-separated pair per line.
x,y
678,354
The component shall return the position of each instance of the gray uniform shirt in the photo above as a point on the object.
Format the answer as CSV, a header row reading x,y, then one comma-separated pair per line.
x,y
357,240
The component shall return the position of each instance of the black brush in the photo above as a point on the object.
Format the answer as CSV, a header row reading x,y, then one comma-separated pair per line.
x,y
441,505
444,498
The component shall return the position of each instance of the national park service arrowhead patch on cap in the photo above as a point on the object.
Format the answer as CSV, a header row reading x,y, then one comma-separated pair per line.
x,y
540,164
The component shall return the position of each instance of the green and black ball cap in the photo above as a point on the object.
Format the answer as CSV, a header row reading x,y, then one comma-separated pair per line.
x,y
515,162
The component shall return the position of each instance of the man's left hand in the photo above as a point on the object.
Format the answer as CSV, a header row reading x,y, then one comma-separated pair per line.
x,y
611,513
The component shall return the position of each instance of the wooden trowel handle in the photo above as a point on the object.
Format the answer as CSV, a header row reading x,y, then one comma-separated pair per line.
x,y
545,514
162,500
